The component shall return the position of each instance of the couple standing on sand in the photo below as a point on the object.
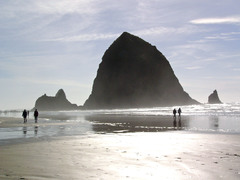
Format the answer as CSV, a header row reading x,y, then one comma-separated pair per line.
x,y
179,117
175,112
25,114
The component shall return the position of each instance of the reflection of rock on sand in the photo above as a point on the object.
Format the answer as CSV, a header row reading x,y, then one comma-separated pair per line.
x,y
117,123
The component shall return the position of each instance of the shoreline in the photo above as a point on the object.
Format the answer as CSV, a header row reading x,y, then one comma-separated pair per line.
x,y
13,128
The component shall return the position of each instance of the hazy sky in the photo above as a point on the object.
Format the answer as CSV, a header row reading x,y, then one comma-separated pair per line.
x,y
46,45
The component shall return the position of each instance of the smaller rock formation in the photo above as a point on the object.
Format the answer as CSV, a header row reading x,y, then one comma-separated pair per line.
x,y
54,103
213,98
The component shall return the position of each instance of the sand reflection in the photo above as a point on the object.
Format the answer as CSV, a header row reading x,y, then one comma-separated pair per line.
x,y
214,122
24,130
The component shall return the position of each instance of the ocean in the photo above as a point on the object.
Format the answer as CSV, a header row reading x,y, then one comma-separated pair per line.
x,y
204,118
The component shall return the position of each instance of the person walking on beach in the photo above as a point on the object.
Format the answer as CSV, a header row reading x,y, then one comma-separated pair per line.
x,y
174,118
36,115
174,113
24,115
179,118
179,112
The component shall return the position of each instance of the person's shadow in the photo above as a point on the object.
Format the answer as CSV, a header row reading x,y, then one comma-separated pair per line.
x,y
214,122
174,122
36,130
179,122
24,130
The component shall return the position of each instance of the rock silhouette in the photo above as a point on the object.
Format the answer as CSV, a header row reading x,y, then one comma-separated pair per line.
x,y
213,98
54,103
133,73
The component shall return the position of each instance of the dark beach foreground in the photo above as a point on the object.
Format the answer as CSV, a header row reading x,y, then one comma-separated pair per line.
x,y
170,154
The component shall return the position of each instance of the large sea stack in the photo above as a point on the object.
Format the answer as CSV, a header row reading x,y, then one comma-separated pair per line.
x,y
54,103
213,98
133,73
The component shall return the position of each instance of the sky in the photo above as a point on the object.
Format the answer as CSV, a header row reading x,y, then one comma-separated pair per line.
x,y
48,45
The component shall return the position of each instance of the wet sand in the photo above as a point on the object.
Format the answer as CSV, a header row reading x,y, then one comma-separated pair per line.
x,y
8,122
147,155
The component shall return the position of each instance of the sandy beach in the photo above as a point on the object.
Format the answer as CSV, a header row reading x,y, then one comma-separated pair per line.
x,y
141,155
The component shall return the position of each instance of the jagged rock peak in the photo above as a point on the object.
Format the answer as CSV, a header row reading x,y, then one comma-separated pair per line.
x,y
213,98
133,73
61,94
129,37
54,103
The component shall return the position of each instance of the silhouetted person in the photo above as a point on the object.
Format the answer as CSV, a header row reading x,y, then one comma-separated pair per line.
x,y
36,115
174,113
179,112
24,115
179,118
174,118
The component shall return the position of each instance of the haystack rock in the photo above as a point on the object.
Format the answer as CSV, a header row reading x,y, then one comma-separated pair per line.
x,y
213,98
133,73
54,103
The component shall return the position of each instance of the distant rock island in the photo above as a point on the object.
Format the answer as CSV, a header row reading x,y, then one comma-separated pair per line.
x,y
54,103
133,73
213,98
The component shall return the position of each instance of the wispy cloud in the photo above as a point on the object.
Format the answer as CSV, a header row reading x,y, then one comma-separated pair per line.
x,y
223,20
44,19
16,8
230,36
193,68
187,29
159,31
84,37
61,82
